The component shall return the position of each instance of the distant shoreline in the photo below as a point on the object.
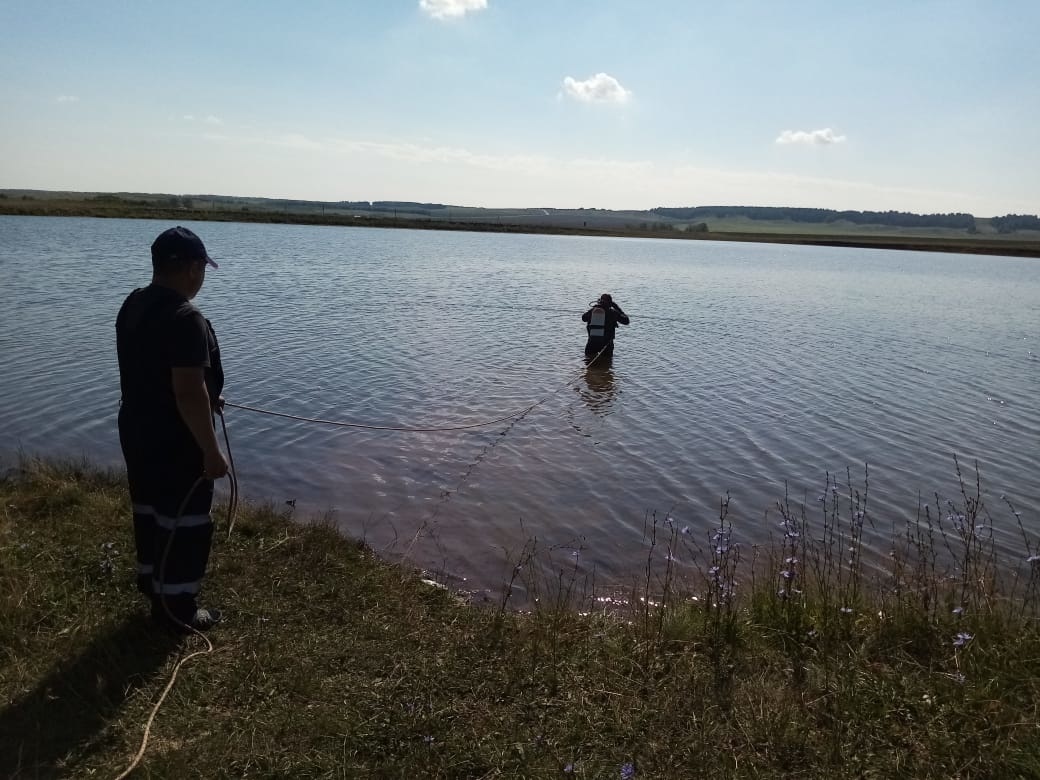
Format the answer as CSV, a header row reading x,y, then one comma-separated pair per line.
x,y
120,209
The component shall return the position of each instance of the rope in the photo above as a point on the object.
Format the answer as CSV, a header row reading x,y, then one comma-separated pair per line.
x,y
447,494
155,710
382,427
404,429
233,498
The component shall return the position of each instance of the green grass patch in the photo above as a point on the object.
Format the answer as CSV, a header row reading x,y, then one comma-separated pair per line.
x,y
335,663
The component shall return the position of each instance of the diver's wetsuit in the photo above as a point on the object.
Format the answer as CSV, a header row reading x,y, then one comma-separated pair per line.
x,y
596,342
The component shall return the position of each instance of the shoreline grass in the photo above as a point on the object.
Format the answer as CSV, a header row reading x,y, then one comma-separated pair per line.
x,y
793,660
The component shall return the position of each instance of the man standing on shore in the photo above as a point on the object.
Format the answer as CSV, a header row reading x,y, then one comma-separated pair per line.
x,y
171,379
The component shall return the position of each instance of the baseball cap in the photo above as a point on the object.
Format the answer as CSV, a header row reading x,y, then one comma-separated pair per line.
x,y
179,242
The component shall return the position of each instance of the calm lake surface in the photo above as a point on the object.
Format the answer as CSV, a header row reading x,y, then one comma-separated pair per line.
x,y
746,367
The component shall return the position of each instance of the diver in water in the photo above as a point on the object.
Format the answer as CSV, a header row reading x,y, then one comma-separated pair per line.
x,y
603,318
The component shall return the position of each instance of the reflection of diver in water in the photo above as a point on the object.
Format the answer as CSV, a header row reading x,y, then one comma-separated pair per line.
x,y
603,318
599,392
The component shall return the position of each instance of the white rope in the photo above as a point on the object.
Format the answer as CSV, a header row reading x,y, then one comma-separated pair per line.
x,y
407,429
380,427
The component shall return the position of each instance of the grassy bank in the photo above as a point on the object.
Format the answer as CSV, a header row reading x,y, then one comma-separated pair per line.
x,y
333,663
573,222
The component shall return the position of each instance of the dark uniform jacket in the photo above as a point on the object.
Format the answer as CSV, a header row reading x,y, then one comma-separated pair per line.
x,y
157,329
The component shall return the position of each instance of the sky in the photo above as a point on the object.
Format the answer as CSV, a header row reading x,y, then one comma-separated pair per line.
x,y
930,106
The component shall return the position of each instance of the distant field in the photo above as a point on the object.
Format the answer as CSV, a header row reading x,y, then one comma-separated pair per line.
x,y
220,208
842,228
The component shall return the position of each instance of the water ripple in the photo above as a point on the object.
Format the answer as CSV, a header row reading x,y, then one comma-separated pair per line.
x,y
748,369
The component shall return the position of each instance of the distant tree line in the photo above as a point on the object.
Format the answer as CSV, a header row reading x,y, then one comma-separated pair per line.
x,y
893,218
1012,222
694,216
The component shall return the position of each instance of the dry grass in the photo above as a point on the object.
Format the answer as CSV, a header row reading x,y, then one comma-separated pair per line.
x,y
333,663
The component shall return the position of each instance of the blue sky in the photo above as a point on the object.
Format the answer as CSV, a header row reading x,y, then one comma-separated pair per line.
x,y
914,105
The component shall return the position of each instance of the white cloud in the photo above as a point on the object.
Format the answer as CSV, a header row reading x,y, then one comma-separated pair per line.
x,y
824,137
448,9
209,120
67,99
600,88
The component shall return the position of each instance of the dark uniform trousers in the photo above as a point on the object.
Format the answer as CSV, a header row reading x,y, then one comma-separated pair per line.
x,y
173,528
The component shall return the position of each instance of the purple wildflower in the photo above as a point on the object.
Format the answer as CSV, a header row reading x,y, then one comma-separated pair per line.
x,y
962,638
628,771
568,768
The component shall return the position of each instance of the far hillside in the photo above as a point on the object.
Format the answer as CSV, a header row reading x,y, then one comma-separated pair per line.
x,y
821,221
1013,234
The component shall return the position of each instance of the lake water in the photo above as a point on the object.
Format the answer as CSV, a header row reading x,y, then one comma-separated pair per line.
x,y
746,367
